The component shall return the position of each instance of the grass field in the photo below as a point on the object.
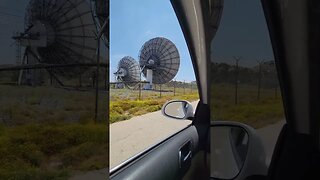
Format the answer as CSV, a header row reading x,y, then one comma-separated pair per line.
x,y
49,133
125,103
20,105
249,110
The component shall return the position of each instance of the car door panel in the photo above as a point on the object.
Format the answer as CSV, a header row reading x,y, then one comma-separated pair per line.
x,y
170,159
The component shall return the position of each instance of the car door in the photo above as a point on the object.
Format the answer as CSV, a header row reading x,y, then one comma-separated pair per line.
x,y
184,154
296,53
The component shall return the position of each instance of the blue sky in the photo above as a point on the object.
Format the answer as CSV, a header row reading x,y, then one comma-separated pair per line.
x,y
243,32
11,20
133,22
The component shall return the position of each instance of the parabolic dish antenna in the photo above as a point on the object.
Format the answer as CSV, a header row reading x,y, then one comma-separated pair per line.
x,y
159,60
60,32
128,71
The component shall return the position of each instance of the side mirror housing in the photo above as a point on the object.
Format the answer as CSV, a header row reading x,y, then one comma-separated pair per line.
x,y
178,109
237,152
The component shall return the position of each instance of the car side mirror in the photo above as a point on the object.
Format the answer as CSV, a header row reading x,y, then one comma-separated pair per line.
x,y
178,109
237,151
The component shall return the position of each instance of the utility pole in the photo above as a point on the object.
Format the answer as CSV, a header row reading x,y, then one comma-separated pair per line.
x,y
259,79
174,88
98,38
97,80
106,76
237,59
140,87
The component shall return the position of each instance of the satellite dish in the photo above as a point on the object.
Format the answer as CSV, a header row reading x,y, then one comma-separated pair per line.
x,y
59,32
159,60
128,71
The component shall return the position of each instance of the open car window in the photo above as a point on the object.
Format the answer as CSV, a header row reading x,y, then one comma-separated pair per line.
x,y
149,65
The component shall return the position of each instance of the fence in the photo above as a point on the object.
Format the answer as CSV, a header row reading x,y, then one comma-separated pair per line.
x,y
240,82
34,93
136,90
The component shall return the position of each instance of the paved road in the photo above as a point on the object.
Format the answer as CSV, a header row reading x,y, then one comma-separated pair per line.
x,y
128,138
269,135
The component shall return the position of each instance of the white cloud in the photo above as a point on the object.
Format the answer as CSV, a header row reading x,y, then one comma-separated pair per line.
x,y
148,33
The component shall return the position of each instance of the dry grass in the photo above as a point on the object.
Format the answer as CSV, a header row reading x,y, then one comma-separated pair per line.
x,y
47,133
268,109
249,110
125,104
33,150
23,104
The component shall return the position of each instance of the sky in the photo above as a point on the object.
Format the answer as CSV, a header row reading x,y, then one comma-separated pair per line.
x,y
11,21
133,22
242,32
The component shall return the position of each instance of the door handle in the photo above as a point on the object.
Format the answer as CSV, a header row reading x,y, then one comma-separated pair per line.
x,y
185,154
187,157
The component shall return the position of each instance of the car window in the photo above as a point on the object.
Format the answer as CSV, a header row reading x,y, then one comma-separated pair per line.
x,y
50,126
149,65
245,86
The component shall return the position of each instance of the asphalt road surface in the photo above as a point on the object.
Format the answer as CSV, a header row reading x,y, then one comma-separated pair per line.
x,y
269,136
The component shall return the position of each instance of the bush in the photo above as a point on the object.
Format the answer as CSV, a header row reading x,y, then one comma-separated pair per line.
x,y
124,109
81,157
29,151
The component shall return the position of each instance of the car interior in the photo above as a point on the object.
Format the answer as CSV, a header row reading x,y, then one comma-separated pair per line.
x,y
296,155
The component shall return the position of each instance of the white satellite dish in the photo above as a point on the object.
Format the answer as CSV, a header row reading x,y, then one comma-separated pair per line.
x,y
159,60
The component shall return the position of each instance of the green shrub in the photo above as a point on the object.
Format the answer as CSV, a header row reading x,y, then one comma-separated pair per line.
x,y
76,154
124,109
28,151
85,157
